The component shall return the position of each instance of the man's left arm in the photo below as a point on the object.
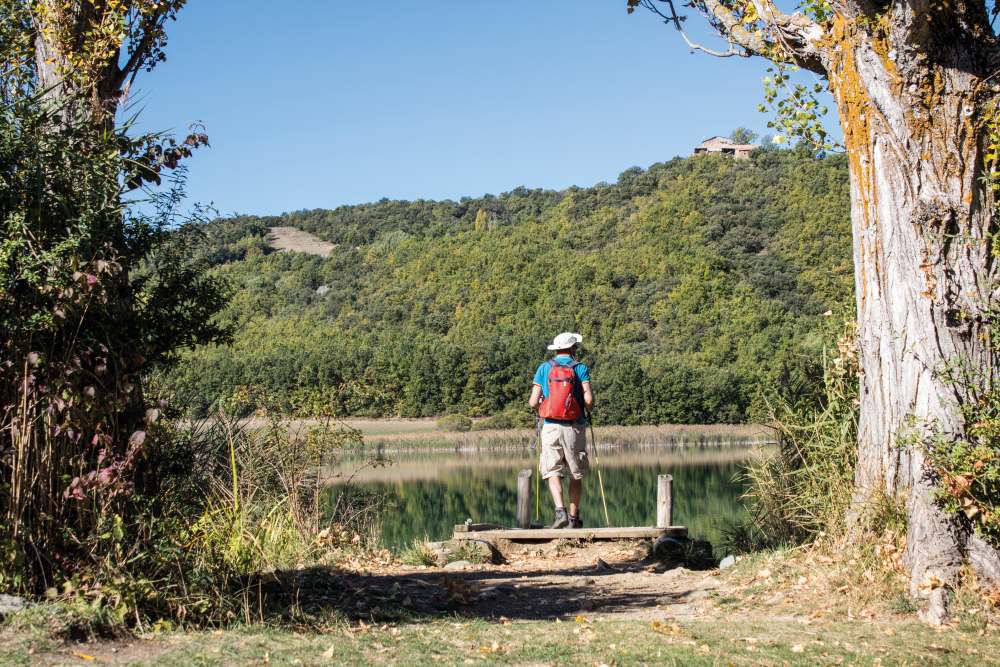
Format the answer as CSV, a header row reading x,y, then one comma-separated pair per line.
x,y
536,396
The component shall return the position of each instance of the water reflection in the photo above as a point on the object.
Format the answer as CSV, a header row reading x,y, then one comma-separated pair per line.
x,y
428,493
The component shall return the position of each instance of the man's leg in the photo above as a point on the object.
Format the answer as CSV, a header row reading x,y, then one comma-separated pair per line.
x,y
575,447
555,487
551,467
575,488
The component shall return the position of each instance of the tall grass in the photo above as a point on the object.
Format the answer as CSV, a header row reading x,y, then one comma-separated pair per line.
x,y
803,489
236,506
260,508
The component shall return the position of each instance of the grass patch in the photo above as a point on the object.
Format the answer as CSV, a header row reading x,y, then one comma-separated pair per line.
x,y
574,642
473,552
902,604
418,553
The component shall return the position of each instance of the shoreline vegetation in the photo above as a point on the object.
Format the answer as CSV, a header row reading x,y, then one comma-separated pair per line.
x,y
418,434
429,464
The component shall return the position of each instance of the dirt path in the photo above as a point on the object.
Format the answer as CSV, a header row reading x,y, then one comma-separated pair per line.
x,y
538,582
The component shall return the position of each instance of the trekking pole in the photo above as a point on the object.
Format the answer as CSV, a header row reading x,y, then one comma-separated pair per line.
x,y
538,470
597,465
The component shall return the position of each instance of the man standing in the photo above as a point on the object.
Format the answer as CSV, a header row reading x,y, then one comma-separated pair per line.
x,y
561,392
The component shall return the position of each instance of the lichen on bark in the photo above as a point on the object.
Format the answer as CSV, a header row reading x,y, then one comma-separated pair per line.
x,y
912,83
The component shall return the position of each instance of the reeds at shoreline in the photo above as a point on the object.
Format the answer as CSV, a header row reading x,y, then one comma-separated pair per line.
x,y
669,436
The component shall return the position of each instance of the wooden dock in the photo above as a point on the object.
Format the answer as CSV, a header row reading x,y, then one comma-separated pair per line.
x,y
525,532
531,534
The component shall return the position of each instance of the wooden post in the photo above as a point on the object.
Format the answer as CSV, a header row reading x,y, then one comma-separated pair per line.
x,y
524,498
664,501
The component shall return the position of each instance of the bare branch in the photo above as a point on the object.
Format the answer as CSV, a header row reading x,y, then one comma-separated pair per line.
x,y
782,37
798,35
141,50
676,20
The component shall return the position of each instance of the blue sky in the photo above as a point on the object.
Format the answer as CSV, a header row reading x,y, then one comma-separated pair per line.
x,y
312,103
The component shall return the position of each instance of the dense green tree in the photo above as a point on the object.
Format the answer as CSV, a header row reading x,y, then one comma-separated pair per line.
x,y
742,135
694,282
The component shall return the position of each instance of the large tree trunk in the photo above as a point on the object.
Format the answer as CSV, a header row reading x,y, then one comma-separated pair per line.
x,y
922,221
78,86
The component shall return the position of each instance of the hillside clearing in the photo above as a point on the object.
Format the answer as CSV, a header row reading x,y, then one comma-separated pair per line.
x,y
290,239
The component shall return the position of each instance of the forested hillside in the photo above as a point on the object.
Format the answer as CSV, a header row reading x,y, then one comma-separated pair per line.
x,y
694,283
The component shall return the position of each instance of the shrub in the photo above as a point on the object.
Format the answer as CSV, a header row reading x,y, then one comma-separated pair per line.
x,y
968,469
459,423
508,419
93,296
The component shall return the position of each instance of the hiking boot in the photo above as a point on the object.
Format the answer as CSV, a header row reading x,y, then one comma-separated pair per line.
x,y
575,521
562,519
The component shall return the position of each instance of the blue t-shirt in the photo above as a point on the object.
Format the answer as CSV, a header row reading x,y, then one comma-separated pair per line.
x,y
542,374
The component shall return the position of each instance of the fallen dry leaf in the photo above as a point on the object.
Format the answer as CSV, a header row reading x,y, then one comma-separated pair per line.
x,y
492,648
665,628
930,582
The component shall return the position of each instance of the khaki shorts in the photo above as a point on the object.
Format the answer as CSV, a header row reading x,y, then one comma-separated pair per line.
x,y
564,446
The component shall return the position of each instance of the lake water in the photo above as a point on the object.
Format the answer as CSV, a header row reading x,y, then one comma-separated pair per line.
x,y
427,493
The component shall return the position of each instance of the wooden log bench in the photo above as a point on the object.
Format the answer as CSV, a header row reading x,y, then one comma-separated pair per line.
x,y
526,533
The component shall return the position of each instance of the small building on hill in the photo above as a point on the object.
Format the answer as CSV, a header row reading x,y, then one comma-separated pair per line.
x,y
725,146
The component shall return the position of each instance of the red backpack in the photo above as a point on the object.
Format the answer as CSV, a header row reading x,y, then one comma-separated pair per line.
x,y
564,402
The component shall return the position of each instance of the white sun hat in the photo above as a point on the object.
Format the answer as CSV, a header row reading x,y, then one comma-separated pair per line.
x,y
565,340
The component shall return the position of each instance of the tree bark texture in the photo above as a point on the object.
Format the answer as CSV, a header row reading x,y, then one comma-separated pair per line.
x,y
917,84
910,93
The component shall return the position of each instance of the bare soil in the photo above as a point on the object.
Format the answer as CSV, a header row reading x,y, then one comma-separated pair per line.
x,y
542,581
290,239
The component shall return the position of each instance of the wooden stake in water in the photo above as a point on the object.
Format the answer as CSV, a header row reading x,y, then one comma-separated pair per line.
x,y
597,466
664,501
524,498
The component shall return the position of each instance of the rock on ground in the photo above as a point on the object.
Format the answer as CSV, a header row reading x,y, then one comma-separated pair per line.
x,y
11,604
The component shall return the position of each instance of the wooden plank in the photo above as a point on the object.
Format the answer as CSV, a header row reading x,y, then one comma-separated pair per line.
x,y
466,527
524,498
664,500
516,534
